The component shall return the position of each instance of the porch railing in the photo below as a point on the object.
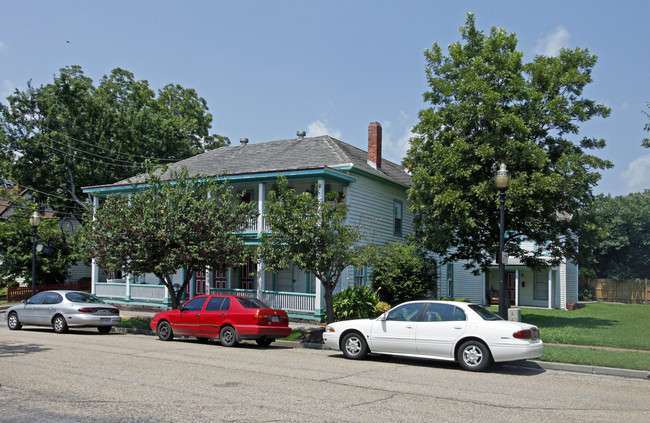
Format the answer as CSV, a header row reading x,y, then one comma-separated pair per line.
x,y
290,301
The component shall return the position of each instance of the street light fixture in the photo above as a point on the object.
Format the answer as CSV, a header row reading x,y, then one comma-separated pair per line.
x,y
502,181
35,220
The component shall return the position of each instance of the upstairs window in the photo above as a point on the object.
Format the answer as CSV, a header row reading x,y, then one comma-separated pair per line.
x,y
397,217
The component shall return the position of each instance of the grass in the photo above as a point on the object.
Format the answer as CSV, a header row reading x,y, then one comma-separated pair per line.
x,y
596,357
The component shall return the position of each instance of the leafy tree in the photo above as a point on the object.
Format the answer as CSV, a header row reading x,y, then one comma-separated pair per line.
x,y
403,273
488,107
618,247
188,223
16,238
70,133
310,234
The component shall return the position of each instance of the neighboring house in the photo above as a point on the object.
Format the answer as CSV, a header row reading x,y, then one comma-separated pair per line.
x,y
374,189
551,287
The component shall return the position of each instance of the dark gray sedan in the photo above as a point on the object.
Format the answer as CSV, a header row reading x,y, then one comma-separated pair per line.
x,y
64,309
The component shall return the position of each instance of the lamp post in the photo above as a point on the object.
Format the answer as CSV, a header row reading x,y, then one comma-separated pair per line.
x,y
502,181
35,220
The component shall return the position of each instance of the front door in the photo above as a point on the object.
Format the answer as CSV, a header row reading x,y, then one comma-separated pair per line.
x,y
200,283
512,281
247,275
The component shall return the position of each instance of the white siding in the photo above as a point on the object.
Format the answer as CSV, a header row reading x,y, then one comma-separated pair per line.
x,y
571,282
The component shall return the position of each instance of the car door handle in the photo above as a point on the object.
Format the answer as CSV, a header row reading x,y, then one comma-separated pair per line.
x,y
223,315
409,327
197,314
458,327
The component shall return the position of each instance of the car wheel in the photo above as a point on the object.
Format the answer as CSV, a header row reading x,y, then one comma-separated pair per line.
x,y
104,329
59,324
354,346
164,331
264,342
13,322
474,355
228,336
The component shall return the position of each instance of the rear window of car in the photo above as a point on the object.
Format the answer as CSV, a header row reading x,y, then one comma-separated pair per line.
x,y
82,297
218,304
485,313
247,302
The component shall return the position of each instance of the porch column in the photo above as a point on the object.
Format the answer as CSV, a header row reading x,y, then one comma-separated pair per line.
x,y
94,269
260,207
129,279
550,287
319,309
516,287
261,279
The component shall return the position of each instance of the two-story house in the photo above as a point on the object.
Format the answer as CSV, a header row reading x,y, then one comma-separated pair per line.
x,y
374,189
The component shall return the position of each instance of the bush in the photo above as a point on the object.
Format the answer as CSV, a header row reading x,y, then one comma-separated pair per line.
x,y
403,273
586,293
355,303
462,300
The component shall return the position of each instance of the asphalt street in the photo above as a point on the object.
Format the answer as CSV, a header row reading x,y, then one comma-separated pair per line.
x,y
83,376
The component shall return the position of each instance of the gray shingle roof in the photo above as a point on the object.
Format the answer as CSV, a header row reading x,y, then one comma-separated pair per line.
x,y
281,156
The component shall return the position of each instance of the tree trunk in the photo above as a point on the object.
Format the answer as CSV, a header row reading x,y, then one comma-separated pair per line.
x,y
329,302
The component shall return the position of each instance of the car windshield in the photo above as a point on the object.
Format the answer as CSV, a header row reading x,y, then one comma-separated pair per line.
x,y
485,313
248,302
82,297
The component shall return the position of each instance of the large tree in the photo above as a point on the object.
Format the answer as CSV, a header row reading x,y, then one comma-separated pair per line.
x,y
618,246
310,234
489,107
16,238
70,133
182,223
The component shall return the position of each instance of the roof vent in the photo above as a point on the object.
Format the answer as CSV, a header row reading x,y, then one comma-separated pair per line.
x,y
301,135
243,141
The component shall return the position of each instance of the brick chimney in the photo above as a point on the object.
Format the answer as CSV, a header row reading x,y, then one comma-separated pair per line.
x,y
374,145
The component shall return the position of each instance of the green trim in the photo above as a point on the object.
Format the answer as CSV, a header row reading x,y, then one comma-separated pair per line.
x,y
371,175
325,173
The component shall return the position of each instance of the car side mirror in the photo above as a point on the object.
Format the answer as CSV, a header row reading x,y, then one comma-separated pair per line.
x,y
383,316
180,308
24,301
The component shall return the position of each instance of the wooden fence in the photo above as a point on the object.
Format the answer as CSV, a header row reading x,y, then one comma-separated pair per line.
x,y
627,291
19,293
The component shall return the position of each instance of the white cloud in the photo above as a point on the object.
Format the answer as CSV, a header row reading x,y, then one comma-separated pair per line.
x,y
553,42
637,175
317,128
396,150
3,47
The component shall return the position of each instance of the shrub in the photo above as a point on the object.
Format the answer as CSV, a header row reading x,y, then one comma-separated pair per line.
x,y
355,303
586,293
403,273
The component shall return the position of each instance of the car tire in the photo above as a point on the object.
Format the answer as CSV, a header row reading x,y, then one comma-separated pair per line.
x,y
354,346
59,324
228,336
264,342
164,331
104,329
474,356
13,322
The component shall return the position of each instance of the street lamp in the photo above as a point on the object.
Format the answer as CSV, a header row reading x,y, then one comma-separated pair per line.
x,y
35,220
502,181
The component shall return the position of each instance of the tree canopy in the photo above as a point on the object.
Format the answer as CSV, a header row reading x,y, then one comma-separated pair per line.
x,y
16,237
618,245
310,234
70,133
184,223
646,127
489,107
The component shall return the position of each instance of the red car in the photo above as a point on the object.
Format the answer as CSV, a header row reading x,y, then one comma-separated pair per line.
x,y
226,317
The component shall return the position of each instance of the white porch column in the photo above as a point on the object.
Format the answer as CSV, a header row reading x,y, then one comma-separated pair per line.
x,y
94,269
319,306
260,207
261,279
516,287
550,287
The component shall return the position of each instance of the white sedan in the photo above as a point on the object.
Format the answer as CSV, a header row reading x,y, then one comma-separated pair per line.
x,y
443,330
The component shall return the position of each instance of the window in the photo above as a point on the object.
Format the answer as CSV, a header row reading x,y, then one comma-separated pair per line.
x,y
250,302
218,304
397,217
37,299
485,313
541,286
359,276
52,298
443,313
195,304
405,313
82,297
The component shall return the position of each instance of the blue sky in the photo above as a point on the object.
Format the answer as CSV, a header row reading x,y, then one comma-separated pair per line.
x,y
270,68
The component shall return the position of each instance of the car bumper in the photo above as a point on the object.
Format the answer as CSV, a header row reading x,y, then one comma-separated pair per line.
x,y
517,351
253,332
331,341
76,320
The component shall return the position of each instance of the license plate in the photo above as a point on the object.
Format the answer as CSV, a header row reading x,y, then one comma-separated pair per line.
x,y
105,321
276,318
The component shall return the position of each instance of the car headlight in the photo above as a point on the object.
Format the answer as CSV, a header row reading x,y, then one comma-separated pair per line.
x,y
329,329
